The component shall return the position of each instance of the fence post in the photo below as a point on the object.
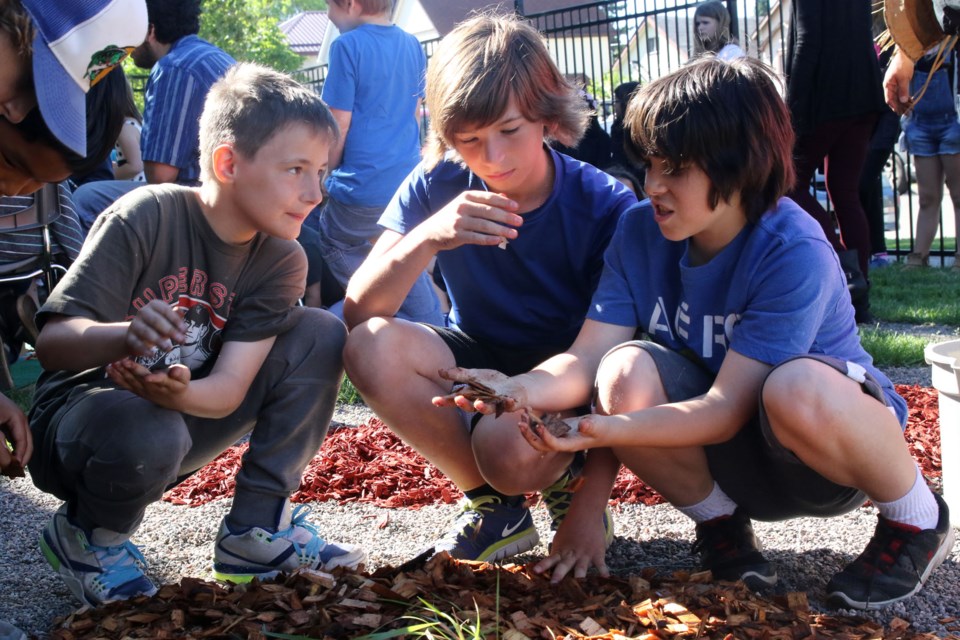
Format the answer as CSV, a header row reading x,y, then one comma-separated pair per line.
x,y
734,23
518,7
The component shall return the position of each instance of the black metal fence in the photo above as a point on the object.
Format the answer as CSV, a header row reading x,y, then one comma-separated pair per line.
x,y
607,42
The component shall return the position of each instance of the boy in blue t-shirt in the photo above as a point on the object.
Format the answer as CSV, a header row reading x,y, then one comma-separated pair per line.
x,y
718,293
374,87
519,232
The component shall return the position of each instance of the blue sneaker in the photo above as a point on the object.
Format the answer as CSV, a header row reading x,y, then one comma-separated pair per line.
x,y
557,497
93,573
241,556
489,530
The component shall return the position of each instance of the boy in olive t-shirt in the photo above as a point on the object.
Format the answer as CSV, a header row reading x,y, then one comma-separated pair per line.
x,y
175,333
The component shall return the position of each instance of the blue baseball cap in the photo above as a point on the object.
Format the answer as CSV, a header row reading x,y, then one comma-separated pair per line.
x,y
77,43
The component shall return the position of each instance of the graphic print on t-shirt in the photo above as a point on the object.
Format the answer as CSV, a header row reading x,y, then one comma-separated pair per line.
x,y
203,341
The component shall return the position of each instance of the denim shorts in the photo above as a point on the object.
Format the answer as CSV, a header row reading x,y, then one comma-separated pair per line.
x,y
928,136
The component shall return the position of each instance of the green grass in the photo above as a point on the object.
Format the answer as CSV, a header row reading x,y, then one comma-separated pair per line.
x,y
893,348
348,393
915,296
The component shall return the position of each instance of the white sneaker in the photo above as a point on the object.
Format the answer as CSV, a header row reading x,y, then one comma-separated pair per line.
x,y
241,556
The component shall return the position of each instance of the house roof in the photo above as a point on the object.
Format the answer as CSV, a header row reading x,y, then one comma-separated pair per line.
x,y
305,31
445,14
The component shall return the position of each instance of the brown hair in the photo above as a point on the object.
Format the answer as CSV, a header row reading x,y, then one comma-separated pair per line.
x,y
250,104
483,63
728,119
712,9
15,21
369,7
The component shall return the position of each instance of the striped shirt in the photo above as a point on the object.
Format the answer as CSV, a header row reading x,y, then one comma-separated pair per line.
x,y
65,232
176,89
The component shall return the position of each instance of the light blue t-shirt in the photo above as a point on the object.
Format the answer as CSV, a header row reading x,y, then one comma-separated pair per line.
x,y
537,290
776,291
174,97
377,73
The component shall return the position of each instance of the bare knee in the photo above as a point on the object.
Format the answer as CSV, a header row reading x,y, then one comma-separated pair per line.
x,y
368,345
628,380
793,397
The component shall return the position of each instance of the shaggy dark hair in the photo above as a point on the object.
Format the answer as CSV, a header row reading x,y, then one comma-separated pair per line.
x,y
483,63
250,104
726,118
106,109
173,19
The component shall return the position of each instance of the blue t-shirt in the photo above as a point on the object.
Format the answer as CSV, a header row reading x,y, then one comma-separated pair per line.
x,y
537,290
776,291
173,101
377,73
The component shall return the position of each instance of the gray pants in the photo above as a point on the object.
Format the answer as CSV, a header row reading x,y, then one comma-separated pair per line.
x,y
115,453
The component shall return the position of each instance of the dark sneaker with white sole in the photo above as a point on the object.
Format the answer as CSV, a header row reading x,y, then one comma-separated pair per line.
x,y
894,566
489,530
730,550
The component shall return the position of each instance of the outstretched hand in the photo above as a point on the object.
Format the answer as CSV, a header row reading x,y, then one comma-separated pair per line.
x,y
164,388
587,432
482,390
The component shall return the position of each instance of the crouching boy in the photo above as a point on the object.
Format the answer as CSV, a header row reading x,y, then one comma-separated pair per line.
x,y
175,333
722,342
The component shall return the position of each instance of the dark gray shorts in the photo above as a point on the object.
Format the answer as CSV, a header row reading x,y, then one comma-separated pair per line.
x,y
753,467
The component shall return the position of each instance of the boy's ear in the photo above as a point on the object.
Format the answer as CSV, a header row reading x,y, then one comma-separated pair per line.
x,y
224,162
550,129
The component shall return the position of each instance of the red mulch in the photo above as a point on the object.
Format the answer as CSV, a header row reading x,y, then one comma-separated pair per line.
x,y
370,464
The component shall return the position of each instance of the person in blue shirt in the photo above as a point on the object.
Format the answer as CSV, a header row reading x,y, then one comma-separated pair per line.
x,y
722,357
183,67
518,231
374,87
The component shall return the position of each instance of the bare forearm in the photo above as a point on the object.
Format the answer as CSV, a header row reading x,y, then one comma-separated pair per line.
x,y
211,397
78,344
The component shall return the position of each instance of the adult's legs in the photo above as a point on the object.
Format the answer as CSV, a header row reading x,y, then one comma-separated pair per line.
x,y
843,167
930,180
871,197
92,198
809,152
951,171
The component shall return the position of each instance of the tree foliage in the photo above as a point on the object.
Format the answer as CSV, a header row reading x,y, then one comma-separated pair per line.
x,y
250,29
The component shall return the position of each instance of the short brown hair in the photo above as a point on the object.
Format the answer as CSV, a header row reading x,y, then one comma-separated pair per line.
x,y
250,104
369,7
483,63
15,21
726,118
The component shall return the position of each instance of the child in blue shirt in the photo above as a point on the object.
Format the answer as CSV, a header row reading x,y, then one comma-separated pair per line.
x,y
722,356
519,232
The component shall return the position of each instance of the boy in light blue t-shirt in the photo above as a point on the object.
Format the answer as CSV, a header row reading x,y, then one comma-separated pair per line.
x,y
722,356
373,88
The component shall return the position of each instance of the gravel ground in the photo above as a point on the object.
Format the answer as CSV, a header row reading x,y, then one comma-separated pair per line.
x,y
176,541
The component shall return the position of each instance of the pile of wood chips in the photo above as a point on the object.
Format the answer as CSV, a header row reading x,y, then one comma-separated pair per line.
x,y
510,602
370,464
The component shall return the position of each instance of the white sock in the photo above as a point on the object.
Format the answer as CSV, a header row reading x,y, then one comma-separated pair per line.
x,y
917,508
715,505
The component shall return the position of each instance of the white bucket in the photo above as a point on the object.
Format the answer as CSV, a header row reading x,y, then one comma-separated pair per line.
x,y
945,361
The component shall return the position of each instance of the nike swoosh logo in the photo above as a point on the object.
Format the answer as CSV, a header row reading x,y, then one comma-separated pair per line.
x,y
508,530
